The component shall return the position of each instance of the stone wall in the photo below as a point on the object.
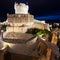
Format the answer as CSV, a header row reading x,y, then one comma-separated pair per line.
x,y
41,26
21,8
19,18
23,48
23,29
16,29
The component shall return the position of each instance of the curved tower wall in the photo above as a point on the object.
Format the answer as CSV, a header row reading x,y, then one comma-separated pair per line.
x,y
21,8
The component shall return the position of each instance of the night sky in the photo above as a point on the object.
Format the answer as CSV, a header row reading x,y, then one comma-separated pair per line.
x,y
42,9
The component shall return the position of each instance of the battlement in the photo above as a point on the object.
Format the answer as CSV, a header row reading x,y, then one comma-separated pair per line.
x,y
20,18
21,8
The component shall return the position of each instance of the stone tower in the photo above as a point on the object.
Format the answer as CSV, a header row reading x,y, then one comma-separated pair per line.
x,y
21,17
21,8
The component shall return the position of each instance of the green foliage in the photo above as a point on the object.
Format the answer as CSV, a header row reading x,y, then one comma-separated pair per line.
x,y
35,31
3,28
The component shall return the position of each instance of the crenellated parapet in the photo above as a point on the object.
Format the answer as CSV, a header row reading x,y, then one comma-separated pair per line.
x,y
20,19
21,8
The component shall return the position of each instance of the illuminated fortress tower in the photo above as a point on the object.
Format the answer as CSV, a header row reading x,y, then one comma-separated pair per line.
x,y
21,17
20,42
21,8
